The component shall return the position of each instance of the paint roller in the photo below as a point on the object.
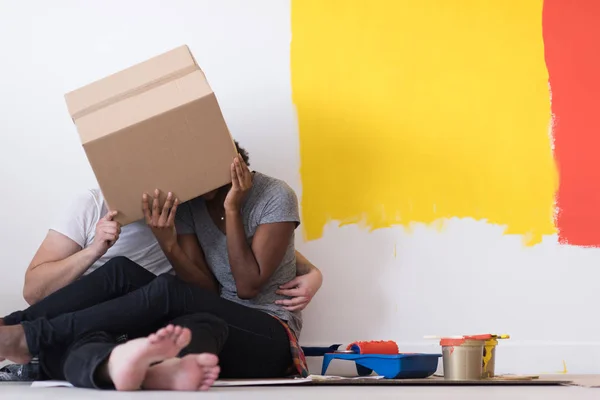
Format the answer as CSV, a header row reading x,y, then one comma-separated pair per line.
x,y
374,347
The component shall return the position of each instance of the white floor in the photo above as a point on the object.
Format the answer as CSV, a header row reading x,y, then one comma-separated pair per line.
x,y
23,391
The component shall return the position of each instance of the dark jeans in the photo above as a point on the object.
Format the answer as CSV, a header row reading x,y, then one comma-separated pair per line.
x,y
257,345
83,359
117,277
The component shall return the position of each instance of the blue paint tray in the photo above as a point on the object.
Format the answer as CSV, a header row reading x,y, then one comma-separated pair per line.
x,y
396,366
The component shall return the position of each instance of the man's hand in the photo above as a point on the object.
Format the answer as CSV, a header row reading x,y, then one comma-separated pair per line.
x,y
161,221
107,233
301,289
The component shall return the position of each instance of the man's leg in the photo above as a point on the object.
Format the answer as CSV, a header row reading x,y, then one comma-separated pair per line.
x,y
166,297
114,279
20,372
163,299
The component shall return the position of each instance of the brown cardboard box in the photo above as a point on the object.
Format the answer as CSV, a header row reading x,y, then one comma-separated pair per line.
x,y
154,125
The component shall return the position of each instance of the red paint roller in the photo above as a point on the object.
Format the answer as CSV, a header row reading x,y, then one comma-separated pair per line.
x,y
374,347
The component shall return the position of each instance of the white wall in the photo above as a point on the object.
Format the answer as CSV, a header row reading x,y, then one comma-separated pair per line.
x,y
469,278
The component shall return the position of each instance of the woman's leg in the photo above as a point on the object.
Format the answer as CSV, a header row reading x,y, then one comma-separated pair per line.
x,y
117,277
256,346
190,373
209,333
165,298
250,354
80,361
97,362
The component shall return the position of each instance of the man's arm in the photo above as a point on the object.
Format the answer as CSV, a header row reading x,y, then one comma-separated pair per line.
x,y
303,266
303,288
58,262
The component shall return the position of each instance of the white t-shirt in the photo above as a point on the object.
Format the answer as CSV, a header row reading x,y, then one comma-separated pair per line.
x,y
136,240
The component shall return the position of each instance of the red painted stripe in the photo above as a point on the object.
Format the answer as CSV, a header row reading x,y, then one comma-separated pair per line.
x,y
571,30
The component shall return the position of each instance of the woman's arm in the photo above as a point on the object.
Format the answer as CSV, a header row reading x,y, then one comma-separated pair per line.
x,y
183,251
253,266
187,259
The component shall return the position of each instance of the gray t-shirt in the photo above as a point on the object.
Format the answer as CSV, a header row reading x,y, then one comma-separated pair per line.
x,y
269,201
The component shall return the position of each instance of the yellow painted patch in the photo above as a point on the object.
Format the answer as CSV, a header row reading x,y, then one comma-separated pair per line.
x,y
416,111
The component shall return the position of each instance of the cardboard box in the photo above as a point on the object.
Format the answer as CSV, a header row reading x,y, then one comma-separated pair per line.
x,y
154,125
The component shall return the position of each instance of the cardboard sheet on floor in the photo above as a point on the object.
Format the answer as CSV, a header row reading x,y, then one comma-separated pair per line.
x,y
316,380
588,381
513,380
219,383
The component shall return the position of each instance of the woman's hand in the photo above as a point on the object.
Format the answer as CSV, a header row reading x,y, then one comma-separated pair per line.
x,y
241,182
161,221
301,290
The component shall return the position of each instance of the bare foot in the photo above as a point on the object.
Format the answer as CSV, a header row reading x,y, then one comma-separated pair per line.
x,y
129,362
190,373
13,345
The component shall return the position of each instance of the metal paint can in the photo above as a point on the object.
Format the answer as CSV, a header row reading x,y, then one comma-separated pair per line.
x,y
488,364
462,359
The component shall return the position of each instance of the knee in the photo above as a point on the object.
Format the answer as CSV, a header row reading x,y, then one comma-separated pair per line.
x,y
116,263
203,319
122,265
165,281
162,286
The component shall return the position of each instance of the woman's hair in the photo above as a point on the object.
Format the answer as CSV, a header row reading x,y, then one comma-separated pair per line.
x,y
242,152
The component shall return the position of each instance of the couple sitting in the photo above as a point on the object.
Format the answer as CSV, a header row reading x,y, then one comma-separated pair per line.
x,y
234,294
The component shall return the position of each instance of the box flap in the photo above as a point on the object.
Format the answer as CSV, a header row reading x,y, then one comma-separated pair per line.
x,y
133,110
137,79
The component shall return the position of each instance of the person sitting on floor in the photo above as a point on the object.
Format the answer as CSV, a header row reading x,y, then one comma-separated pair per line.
x,y
86,238
239,238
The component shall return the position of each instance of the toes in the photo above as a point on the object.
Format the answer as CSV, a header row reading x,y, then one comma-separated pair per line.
x,y
207,360
161,333
176,333
207,385
208,381
211,371
177,330
184,338
168,330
